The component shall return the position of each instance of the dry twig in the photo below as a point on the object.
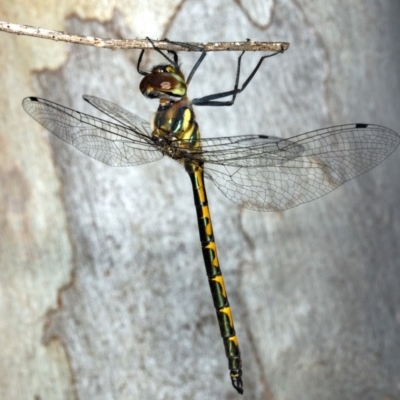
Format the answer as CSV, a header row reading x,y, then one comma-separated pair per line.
x,y
137,43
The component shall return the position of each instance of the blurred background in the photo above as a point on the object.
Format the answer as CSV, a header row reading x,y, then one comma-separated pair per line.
x,y
103,293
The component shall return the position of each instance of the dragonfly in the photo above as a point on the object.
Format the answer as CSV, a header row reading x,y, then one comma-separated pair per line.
x,y
258,172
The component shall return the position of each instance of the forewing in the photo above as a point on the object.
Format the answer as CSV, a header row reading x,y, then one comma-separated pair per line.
x,y
247,151
121,115
112,144
329,157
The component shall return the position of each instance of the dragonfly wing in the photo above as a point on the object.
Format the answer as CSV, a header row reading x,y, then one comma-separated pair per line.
x,y
112,144
121,115
247,151
329,158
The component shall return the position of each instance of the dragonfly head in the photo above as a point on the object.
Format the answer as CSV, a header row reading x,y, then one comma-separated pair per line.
x,y
164,82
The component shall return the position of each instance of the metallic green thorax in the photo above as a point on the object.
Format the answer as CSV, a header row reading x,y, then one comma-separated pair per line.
x,y
175,126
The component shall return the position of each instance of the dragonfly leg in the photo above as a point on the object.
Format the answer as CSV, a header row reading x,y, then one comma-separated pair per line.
x,y
141,72
195,48
175,60
210,99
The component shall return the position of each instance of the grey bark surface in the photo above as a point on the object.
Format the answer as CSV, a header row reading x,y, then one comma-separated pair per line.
x,y
103,288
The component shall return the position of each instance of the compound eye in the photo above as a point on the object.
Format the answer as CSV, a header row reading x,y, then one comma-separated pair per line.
x,y
165,85
164,82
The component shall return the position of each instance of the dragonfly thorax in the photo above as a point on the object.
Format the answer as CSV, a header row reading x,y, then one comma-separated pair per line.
x,y
175,128
164,82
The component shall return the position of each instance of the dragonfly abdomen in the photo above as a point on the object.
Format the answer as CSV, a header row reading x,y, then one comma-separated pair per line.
x,y
215,278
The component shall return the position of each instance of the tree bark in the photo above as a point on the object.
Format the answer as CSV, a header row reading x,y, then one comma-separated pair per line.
x,y
103,289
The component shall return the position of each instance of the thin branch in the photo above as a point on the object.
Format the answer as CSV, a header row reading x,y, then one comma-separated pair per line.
x,y
138,43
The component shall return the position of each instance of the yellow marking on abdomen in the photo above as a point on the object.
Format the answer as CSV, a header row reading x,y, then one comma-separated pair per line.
x,y
213,247
200,185
234,340
205,211
220,280
227,311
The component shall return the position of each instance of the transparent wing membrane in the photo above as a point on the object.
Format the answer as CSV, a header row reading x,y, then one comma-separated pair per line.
x,y
247,151
112,144
310,165
121,115
259,172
